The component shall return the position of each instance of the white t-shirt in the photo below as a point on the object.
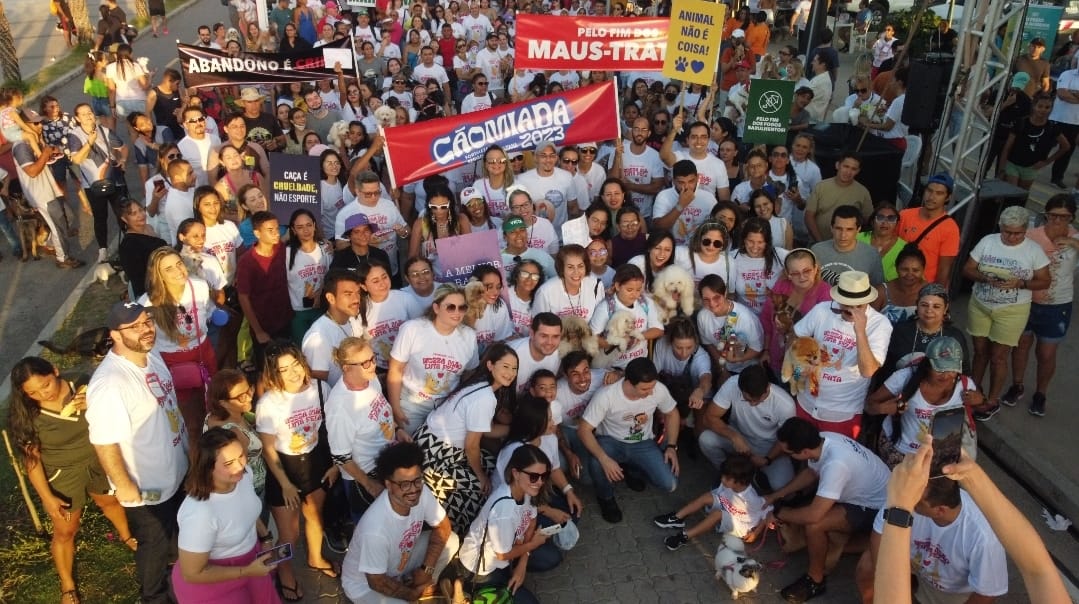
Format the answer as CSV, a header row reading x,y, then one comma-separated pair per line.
x,y
477,27
758,422
495,325
917,420
505,522
197,152
473,103
750,279
223,240
209,269
740,322
1066,113
557,189
332,195
548,443
127,84
645,317
699,268
520,316
321,338
1062,264
711,172
433,362
691,217
222,525
573,404
552,297
542,236
613,414
383,541
842,387
962,557
495,196
292,418
741,511
435,72
526,365
135,407
382,320
569,80
490,62
470,410
177,209
1007,262
663,356
359,423
895,113
305,274
850,473
642,169
192,322
383,217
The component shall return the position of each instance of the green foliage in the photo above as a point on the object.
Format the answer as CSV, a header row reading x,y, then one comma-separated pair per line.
x,y
904,22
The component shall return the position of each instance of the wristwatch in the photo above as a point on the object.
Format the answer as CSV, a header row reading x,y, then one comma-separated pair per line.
x,y
430,570
899,517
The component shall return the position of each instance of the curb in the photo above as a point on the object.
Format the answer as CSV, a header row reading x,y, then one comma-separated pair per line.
x,y
63,79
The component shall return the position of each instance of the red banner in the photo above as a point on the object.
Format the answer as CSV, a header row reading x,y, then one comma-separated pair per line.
x,y
582,42
416,151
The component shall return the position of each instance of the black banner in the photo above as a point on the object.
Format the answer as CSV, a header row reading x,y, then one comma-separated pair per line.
x,y
203,67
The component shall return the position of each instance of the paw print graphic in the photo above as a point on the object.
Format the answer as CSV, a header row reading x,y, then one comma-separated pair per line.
x,y
680,64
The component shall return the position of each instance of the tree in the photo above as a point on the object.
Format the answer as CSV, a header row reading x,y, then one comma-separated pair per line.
x,y
82,22
9,61
142,12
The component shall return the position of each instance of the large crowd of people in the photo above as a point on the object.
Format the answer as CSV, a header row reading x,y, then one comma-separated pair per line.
x,y
674,296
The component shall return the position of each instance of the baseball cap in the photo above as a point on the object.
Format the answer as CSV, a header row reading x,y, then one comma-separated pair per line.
x,y
513,223
123,313
945,354
470,193
942,179
1020,79
356,220
546,143
738,33
1037,42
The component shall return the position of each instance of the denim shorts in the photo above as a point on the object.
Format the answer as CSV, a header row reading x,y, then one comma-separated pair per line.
x,y
1049,322
100,106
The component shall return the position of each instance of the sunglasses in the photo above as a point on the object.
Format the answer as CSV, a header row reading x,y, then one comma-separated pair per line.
x,y
890,218
530,275
196,120
454,307
496,161
716,243
778,154
518,158
172,156
588,150
439,206
422,273
534,477
572,162
481,83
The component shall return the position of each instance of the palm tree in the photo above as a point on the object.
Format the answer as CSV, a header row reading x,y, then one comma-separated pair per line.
x,y
9,61
82,22
142,12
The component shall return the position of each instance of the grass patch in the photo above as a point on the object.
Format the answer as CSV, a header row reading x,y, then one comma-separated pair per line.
x,y
104,568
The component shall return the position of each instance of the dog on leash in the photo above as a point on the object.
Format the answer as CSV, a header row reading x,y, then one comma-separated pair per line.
x,y
92,343
32,231
734,567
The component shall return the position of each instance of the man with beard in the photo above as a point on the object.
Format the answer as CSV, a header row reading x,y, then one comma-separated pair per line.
x,y
342,291
932,229
711,172
391,559
551,184
540,350
639,167
262,128
140,437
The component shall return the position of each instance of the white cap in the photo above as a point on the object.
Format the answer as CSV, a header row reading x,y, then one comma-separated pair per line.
x,y
738,33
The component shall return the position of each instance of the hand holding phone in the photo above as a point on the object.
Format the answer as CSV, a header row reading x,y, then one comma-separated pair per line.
x,y
550,531
947,431
277,554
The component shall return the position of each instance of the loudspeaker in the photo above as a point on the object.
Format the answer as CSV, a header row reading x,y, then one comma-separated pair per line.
x,y
927,86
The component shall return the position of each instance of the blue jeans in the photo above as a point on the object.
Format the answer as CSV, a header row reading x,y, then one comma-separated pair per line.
x,y
501,577
547,556
9,234
644,456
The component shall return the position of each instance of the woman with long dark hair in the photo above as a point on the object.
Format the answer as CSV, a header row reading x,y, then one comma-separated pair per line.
x,y
574,291
308,258
756,265
660,252
52,437
229,405
334,175
455,467
383,310
488,314
440,220
527,276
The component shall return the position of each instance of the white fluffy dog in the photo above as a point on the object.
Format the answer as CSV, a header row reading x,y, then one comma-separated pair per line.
x,y
336,137
740,572
577,335
672,290
620,333
385,116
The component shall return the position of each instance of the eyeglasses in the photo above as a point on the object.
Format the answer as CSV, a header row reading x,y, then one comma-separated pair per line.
x,y
420,273
480,84
572,162
521,206
364,364
1060,217
889,218
492,162
534,477
778,154
597,253
784,53
196,120
588,150
530,275
141,325
805,274
439,206
172,156
660,122
398,81
246,395
408,486
716,243
518,158
453,307
630,224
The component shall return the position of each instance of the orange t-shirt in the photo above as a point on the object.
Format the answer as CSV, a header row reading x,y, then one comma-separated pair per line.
x,y
941,242
757,37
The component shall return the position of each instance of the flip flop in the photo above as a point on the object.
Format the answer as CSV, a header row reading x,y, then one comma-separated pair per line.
x,y
132,543
69,597
285,590
326,571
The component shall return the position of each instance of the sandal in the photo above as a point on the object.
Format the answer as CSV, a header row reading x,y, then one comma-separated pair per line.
x,y
326,571
285,590
132,543
69,597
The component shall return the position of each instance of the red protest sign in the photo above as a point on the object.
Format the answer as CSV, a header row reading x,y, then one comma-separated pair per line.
x,y
416,151
583,42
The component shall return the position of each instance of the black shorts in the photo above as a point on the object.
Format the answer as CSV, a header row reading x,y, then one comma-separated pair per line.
x,y
304,471
157,8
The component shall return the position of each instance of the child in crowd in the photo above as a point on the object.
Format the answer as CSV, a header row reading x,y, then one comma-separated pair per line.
x,y
733,507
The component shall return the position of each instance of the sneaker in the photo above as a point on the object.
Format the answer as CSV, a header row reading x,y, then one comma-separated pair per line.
x,y
1037,405
102,255
165,31
986,412
70,263
608,508
802,590
674,542
634,482
669,521
1014,394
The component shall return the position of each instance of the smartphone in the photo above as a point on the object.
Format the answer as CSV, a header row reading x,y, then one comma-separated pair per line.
x,y
947,431
277,554
159,185
554,529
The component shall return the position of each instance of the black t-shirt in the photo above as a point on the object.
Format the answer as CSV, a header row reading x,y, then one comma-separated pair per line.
x,y
1032,143
1014,113
348,259
943,42
263,128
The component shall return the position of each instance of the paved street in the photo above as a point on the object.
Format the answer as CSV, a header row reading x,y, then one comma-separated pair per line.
x,y
613,563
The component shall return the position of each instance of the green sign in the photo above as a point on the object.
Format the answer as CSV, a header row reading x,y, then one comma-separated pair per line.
x,y
1041,22
768,113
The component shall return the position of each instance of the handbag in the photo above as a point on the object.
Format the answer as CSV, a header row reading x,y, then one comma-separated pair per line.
x,y
187,375
488,593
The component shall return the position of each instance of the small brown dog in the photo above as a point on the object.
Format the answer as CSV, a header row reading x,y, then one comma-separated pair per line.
x,y
32,230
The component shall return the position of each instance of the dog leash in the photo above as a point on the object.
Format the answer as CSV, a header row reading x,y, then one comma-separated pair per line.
x,y
774,564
